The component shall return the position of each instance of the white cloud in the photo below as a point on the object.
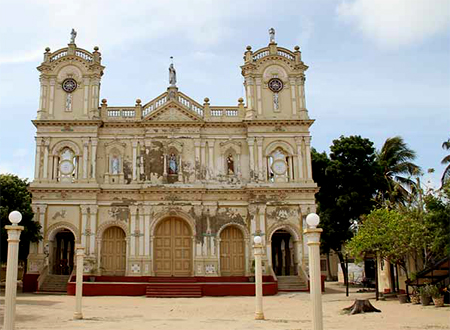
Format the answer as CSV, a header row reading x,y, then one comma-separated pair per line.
x,y
394,23
114,25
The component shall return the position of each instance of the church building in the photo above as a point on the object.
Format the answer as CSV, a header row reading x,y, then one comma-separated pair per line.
x,y
171,186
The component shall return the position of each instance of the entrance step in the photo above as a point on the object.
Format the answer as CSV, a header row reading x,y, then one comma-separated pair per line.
x,y
55,283
174,290
172,279
291,283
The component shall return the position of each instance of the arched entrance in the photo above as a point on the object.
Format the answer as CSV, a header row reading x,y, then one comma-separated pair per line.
x,y
173,248
63,251
283,253
232,252
113,251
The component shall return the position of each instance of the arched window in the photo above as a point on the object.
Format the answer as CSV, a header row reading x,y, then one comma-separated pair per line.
x,y
67,165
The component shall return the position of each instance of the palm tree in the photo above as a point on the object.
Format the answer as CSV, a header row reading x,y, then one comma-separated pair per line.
x,y
446,160
395,158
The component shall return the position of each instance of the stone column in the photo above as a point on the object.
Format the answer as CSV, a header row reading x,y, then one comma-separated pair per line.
x,y
258,82
147,221
37,160
211,158
313,236
298,142
11,276
84,215
46,146
134,144
141,231
55,168
42,211
203,154
197,157
94,142
133,211
290,174
85,158
86,96
78,315
261,174
301,93
93,228
259,314
165,165
308,157
251,149
293,96
249,83
52,97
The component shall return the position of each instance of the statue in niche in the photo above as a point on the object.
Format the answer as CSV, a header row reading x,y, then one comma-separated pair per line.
x,y
172,74
272,35
230,164
73,35
276,103
69,102
173,166
115,165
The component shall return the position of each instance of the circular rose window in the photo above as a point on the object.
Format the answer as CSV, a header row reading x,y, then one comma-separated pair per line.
x,y
275,85
69,85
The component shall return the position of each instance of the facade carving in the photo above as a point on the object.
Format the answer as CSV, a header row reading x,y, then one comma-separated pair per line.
x,y
174,185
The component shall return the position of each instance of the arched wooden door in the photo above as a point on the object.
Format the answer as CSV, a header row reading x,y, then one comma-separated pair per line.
x,y
114,249
173,248
232,252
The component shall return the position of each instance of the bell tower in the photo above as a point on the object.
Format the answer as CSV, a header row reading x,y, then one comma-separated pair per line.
x,y
274,82
70,83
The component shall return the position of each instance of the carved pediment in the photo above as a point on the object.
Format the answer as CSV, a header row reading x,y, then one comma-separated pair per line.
x,y
173,112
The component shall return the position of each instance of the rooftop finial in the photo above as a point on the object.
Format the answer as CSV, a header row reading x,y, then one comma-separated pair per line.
x,y
73,35
172,74
272,35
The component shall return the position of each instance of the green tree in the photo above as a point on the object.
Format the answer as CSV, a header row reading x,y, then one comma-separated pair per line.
x,y
14,195
396,160
446,161
348,181
392,235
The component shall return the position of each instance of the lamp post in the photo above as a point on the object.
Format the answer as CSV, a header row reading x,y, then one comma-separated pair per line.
x,y
11,269
78,315
313,236
259,314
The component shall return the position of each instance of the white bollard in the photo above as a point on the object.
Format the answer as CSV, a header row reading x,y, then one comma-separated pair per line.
x,y
313,236
78,315
259,314
11,270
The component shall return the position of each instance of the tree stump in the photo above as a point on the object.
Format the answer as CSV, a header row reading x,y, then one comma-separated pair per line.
x,y
361,306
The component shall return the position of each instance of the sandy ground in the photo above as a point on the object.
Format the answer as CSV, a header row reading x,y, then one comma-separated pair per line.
x,y
284,311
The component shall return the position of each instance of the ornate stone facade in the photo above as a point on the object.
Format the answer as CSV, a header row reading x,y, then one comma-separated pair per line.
x,y
246,167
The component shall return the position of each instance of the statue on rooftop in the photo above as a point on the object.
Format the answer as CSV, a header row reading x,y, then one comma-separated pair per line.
x,y
272,35
73,35
172,74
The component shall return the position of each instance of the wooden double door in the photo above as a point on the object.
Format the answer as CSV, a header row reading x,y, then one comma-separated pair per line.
x,y
173,248
232,252
114,248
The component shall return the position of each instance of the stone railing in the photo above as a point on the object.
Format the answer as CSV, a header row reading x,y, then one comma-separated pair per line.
x,y
285,54
113,113
191,105
84,55
78,52
58,55
260,54
153,105
216,112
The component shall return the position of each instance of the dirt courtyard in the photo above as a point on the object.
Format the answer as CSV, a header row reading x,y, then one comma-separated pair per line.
x,y
284,311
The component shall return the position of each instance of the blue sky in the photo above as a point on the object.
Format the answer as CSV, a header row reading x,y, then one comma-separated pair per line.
x,y
378,68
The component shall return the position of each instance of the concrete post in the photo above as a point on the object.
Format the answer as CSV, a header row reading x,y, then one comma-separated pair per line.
x,y
11,270
313,236
258,248
78,315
